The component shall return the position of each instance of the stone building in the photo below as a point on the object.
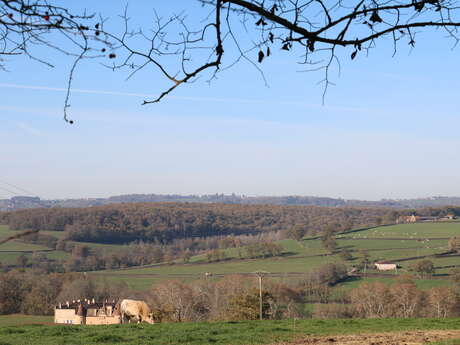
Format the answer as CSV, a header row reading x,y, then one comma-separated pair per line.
x,y
87,312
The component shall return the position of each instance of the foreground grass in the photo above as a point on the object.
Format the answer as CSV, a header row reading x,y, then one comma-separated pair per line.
x,y
19,319
219,333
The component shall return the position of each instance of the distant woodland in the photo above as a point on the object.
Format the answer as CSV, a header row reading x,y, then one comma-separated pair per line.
x,y
164,222
23,202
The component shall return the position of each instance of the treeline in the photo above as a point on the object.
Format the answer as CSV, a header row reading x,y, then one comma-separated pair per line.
x,y
402,299
164,222
139,253
230,298
37,294
84,258
236,297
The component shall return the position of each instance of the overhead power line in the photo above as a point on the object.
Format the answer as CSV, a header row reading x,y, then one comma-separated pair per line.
x,y
8,191
16,187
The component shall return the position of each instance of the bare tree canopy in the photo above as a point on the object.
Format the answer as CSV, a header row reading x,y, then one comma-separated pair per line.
x,y
183,49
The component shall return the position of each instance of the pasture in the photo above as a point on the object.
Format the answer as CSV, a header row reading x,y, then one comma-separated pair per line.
x,y
6,232
20,320
385,243
143,277
218,333
396,242
10,251
410,231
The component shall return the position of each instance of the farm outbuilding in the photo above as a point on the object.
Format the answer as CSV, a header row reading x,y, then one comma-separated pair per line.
x,y
408,219
87,313
385,266
450,216
414,219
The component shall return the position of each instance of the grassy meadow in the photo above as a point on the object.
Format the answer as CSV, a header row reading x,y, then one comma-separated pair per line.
x,y
411,231
200,333
394,242
382,243
21,320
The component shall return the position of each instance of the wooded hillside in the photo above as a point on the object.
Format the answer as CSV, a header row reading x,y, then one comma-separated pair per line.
x,y
165,221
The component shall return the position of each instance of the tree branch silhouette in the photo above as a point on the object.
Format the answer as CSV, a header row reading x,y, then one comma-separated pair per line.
x,y
231,31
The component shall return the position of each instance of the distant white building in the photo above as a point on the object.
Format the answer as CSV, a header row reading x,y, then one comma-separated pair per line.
x,y
385,266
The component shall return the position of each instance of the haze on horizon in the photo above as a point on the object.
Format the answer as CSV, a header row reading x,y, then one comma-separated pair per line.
x,y
389,129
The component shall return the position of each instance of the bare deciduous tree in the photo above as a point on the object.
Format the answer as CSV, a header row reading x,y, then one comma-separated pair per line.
x,y
407,299
372,300
26,24
229,32
443,302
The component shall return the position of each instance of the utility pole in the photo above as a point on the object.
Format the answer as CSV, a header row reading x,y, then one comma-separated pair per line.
x,y
260,275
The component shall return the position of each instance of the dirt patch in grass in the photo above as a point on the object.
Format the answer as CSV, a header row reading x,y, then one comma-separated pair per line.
x,y
393,338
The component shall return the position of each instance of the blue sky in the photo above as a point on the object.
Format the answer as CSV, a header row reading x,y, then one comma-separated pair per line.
x,y
388,129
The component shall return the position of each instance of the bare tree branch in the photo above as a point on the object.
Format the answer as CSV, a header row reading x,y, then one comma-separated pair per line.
x,y
230,32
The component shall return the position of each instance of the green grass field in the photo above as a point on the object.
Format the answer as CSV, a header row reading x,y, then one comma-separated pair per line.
x,y
411,231
291,248
144,277
57,234
423,284
201,333
382,243
21,246
6,232
10,251
19,320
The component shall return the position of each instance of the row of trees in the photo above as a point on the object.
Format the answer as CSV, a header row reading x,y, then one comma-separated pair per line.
x,y
230,298
37,294
403,299
85,258
236,297
138,254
